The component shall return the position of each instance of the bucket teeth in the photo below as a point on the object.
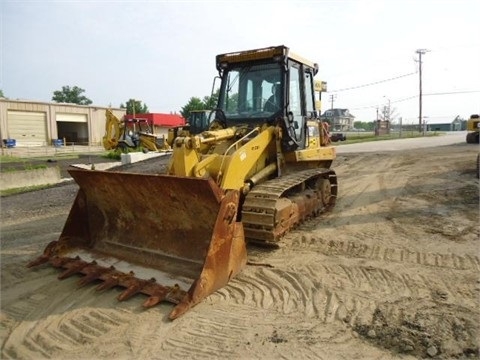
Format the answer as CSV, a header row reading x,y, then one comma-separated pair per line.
x,y
110,277
42,259
175,295
72,267
61,262
159,293
135,286
155,299
110,281
92,272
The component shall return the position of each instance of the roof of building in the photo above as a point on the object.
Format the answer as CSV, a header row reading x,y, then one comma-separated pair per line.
x,y
159,119
443,120
337,113
27,101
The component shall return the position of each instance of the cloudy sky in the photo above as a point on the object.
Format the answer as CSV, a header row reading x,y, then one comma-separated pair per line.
x,y
163,52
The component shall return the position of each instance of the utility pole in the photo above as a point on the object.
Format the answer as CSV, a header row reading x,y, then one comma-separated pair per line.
x,y
420,52
332,98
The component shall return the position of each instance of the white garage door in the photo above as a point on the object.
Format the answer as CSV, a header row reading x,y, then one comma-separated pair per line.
x,y
71,117
27,128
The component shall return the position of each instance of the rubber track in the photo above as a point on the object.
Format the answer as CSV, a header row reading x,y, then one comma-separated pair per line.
x,y
261,202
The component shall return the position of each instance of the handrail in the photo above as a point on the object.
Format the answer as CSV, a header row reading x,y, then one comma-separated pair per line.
x,y
220,172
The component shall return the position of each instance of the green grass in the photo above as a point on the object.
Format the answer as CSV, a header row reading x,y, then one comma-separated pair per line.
x,y
5,159
354,138
26,166
113,154
22,190
10,159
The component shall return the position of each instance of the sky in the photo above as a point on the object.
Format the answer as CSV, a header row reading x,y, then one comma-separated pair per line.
x,y
163,52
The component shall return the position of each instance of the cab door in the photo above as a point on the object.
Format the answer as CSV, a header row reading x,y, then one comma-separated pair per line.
x,y
295,123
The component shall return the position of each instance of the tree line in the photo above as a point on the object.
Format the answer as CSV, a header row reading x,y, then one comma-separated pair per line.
x,y
75,95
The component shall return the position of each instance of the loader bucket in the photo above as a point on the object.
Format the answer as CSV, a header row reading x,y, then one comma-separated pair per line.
x,y
124,225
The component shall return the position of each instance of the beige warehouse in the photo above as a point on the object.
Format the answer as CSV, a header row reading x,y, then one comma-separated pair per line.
x,y
34,123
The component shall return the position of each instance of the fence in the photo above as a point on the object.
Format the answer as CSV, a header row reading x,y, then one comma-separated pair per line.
x,y
57,148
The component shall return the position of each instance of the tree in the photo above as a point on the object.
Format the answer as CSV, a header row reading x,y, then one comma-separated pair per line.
x,y
135,107
211,101
71,95
365,125
1,94
193,104
208,103
388,113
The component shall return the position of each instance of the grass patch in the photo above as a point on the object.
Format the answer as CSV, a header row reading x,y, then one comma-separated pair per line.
x,y
360,138
24,166
114,155
25,189
6,159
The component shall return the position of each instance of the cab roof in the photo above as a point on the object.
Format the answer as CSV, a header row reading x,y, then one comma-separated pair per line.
x,y
271,52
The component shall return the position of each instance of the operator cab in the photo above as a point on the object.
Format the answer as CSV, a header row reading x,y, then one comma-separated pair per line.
x,y
269,85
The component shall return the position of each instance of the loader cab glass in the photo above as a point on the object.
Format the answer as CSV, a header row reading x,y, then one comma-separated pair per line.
x,y
252,92
300,105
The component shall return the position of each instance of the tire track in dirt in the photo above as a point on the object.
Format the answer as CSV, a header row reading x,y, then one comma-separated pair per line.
x,y
369,194
71,323
60,333
294,288
208,337
203,338
359,249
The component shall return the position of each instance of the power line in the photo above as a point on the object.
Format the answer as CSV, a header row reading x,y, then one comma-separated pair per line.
x,y
453,92
416,97
373,83
391,101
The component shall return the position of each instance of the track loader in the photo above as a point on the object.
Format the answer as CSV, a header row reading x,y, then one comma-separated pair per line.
x,y
473,128
198,121
261,168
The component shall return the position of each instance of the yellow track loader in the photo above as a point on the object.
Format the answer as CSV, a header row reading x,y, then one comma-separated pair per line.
x,y
261,168
198,121
473,128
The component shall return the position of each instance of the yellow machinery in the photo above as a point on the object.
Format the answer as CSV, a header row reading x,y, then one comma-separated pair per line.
x,y
256,173
473,126
198,121
130,134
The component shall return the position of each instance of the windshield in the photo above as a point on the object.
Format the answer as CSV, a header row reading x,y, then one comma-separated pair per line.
x,y
252,92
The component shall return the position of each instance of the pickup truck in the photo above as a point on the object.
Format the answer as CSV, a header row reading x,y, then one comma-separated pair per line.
x,y
334,137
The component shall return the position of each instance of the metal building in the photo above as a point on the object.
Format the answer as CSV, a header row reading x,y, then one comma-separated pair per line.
x,y
34,123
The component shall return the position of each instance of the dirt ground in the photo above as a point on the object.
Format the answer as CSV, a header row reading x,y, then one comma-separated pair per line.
x,y
393,272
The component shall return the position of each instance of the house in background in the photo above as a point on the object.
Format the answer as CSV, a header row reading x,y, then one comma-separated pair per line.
x,y
339,119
